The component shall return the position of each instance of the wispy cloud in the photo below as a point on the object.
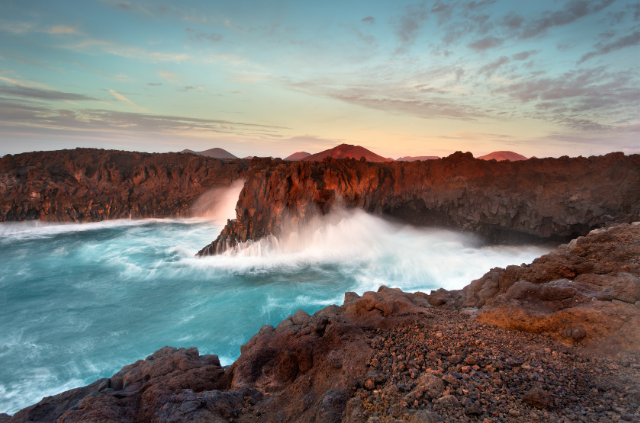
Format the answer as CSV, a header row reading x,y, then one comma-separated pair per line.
x,y
171,77
62,29
124,99
41,94
486,43
573,10
203,36
408,25
20,28
604,48
90,46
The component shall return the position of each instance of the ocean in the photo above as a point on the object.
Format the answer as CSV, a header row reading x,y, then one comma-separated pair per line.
x,y
80,301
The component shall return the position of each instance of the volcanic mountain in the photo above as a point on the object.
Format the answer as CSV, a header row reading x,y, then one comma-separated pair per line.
x,y
416,158
216,153
503,155
347,151
298,156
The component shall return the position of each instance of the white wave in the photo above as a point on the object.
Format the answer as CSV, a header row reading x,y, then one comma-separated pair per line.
x,y
218,204
37,229
374,252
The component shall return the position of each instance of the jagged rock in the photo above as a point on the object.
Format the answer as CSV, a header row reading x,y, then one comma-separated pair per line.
x,y
85,185
584,292
531,200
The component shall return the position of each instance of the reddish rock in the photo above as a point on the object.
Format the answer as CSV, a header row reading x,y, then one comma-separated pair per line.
x,y
532,200
84,185
585,292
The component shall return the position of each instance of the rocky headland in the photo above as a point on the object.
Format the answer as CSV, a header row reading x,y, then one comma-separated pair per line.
x,y
535,200
555,340
87,185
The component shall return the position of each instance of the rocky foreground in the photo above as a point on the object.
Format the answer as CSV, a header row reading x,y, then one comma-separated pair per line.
x,y
535,200
553,341
89,185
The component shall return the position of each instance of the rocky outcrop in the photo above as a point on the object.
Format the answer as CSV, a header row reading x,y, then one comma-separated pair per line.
x,y
92,185
532,200
391,356
587,292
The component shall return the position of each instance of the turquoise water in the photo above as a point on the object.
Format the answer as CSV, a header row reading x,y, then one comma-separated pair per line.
x,y
79,301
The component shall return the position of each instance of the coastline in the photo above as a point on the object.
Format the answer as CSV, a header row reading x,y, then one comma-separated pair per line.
x,y
354,362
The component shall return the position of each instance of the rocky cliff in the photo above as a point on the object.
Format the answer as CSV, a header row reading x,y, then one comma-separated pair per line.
x,y
91,185
519,344
532,200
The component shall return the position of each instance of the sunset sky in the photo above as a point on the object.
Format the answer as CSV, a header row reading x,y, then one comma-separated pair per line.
x,y
269,78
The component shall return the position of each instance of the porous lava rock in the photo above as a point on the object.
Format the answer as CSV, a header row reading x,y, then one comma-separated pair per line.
x,y
86,185
531,200
587,291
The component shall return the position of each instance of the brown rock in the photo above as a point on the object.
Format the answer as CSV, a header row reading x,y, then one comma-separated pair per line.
x,y
538,398
500,201
87,185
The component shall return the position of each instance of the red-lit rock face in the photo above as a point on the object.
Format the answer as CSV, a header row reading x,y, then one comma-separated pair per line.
x,y
86,185
537,199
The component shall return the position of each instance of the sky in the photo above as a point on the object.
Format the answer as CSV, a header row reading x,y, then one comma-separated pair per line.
x,y
269,78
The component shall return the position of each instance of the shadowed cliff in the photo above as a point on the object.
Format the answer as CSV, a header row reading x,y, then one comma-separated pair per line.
x,y
85,185
506,202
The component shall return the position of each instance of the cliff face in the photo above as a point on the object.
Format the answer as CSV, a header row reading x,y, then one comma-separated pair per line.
x,y
532,200
84,185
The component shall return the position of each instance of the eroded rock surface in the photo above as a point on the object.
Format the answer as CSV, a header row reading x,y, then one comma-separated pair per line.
x,y
587,291
530,200
84,185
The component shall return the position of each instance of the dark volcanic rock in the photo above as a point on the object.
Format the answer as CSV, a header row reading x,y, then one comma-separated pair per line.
x,y
91,185
536,199
585,292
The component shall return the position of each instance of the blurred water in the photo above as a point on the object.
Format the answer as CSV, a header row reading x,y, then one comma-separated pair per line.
x,y
79,301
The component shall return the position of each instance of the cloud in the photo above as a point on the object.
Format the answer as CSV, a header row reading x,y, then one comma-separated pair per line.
x,y
368,19
512,21
203,36
171,77
626,41
16,27
409,24
524,55
124,99
486,43
573,10
425,109
492,67
14,113
90,46
39,93
192,87
19,28
62,29
155,84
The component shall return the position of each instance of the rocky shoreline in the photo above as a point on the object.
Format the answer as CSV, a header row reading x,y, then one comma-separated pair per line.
x,y
90,185
555,340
